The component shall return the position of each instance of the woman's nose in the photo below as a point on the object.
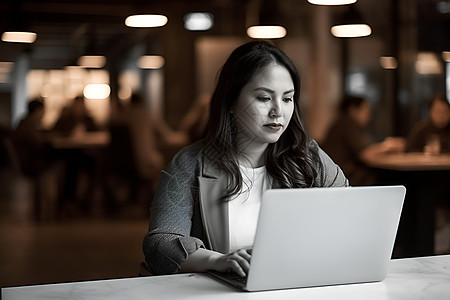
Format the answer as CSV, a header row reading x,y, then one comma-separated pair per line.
x,y
275,111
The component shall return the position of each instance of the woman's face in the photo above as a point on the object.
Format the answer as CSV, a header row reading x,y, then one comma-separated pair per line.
x,y
361,114
439,114
264,107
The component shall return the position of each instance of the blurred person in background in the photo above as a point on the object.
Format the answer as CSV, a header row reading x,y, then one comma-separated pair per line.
x,y
74,122
349,144
75,119
36,160
31,143
133,159
194,122
432,135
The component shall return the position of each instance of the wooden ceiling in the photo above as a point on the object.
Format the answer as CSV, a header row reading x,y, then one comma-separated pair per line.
x,y
67,28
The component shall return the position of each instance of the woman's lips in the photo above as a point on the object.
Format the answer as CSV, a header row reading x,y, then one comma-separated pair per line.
x,y
274,126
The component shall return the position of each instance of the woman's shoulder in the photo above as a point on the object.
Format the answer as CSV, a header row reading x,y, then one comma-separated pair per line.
x,y
189,155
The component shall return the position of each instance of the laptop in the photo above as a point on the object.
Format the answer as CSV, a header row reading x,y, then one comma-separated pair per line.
x,y
322,236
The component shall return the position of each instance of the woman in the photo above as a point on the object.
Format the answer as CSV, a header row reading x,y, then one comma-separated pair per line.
x,y
349,144
206,206
432,135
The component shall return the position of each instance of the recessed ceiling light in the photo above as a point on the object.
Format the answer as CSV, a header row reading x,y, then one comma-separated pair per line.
x,y
19,37
351,30
92,61
151,62
388,62
266,32
198,21
331,2
146,20
96,91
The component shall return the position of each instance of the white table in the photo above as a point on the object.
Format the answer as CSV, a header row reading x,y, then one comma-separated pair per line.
x,y
413,278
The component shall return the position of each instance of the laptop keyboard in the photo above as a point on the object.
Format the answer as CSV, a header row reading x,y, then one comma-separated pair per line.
x,y
231,276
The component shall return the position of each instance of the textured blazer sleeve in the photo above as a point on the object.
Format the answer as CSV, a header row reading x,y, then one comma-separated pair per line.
x,y
332,173
169,240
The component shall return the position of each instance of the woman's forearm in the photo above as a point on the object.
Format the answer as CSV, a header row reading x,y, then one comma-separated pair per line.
x,y
200,261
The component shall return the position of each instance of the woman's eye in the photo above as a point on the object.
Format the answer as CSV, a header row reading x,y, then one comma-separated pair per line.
x,y
263,98
288,99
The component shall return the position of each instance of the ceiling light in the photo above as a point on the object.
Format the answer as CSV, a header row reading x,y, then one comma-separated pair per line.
x,y
388,62
19,37
443,7
351,24
331,2
92,61
151,62
351,30
198,21
146,20
96,91
266,32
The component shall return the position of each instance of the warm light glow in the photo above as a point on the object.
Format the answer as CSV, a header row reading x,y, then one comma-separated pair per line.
x,y
3,77
443,7
388,62
266,32
151,62
357,83
19,37
198,21
427,63
46,90
446,56
331,2
92,61
351,30
96,91
5,66
125,93
146,20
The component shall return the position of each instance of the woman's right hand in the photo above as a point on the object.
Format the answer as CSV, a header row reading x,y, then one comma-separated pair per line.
x,y
237,261
202,260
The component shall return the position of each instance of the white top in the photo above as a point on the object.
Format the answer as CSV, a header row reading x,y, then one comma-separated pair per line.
x,y
244,208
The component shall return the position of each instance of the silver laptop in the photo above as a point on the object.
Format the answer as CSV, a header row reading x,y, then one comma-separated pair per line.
x,y
322,236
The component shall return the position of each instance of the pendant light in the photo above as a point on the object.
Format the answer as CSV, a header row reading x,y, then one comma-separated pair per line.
x,y
92,58
198,21
351,25
262,18
17,31
146,20
331,2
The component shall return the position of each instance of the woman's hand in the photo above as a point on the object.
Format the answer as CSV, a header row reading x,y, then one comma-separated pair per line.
x,y
203,260
237,261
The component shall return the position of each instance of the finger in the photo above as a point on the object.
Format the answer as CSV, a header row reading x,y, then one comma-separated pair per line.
x,y
236,267
246,254
243,262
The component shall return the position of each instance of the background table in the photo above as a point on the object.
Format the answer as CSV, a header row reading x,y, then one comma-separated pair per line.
x,y
426,178
87,140
411,162
408,279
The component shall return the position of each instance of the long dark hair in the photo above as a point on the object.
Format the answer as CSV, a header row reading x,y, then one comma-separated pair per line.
x,y
293,161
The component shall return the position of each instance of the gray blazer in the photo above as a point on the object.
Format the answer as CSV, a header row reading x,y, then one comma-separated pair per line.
x,y
186,213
